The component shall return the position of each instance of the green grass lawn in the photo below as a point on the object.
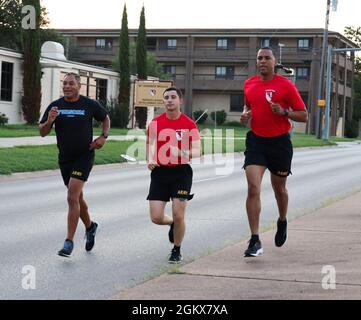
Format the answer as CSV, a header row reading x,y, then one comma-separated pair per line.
x,y
36,158
21,130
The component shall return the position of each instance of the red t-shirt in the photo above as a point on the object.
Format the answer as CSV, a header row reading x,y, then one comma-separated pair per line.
x,y
168,132
282,91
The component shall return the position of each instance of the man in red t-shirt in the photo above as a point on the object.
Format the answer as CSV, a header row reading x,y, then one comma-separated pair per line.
x,y
271,101
172,140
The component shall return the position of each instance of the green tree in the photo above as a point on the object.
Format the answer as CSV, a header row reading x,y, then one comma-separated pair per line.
x,y
354,34
10,25
121,112
31,99
141,61
154,68
352,129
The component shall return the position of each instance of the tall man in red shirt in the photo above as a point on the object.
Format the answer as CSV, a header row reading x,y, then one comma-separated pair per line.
x,y
271,101
173,139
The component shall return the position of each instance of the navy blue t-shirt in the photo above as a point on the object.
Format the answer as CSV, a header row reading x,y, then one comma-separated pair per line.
x,y
74,124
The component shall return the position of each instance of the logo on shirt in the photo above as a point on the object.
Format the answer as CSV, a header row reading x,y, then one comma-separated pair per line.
x,y
269,94
71,113
179,134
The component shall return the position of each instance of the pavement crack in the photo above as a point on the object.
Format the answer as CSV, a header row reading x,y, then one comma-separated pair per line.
x,y
266,279
326,231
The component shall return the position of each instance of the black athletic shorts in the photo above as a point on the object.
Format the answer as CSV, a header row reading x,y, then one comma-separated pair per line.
x,y
77,167
171,182
274,153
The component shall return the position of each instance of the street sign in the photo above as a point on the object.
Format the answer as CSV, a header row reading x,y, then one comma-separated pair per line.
x,y
149,93
321,103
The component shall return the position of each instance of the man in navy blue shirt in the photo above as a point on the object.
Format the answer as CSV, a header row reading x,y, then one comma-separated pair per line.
x,y
73,117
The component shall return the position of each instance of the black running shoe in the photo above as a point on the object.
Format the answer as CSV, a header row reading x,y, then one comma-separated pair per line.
x,y
171,233
281,234
90,237
254,248
67,249
175,256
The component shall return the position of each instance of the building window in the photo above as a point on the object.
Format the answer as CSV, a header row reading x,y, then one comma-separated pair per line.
x,y
171,70
171,44
265,43
106,44
220,72
303,44
302,73
225,44
224,72
222,44
101,90
151,44
7,75
237,102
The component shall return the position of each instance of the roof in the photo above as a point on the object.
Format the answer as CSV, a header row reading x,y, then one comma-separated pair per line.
x,y
264,32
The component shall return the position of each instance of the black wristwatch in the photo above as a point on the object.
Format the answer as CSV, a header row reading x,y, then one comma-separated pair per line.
x,y
104,135
286,112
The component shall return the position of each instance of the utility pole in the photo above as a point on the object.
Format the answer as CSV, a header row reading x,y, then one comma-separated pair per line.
x,y
320,81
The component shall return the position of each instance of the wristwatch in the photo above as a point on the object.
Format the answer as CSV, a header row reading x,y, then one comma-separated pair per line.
x,y
104,135
286,112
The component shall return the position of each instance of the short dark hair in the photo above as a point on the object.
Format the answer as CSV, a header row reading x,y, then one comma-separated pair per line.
x,y
267,48
179,92
75,75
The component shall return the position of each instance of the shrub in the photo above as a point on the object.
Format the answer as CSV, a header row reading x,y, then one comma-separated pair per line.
x,y
351,129
221,116
3,119
119,115
197,114
234,124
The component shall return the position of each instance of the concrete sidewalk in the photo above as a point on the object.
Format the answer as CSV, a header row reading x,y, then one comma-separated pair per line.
x,y
36,141
317,242
26,141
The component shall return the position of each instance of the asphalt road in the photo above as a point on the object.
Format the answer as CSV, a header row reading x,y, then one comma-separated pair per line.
x,y
129,248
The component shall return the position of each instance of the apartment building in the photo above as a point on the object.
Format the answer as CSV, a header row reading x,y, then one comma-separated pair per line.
x,y
211,65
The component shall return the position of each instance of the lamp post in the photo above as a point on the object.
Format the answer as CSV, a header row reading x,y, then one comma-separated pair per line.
x,y
320,82
326,130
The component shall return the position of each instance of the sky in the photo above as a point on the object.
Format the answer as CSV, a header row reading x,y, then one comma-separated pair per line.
x,y
170,14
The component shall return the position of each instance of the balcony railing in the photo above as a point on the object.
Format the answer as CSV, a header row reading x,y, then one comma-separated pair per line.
x,y
213,76
177,76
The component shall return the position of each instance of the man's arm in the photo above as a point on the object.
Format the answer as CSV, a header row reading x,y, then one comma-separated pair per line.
x,y
45,128
99,142
152,146
105,126
196,150
298,116
246,115
151,154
